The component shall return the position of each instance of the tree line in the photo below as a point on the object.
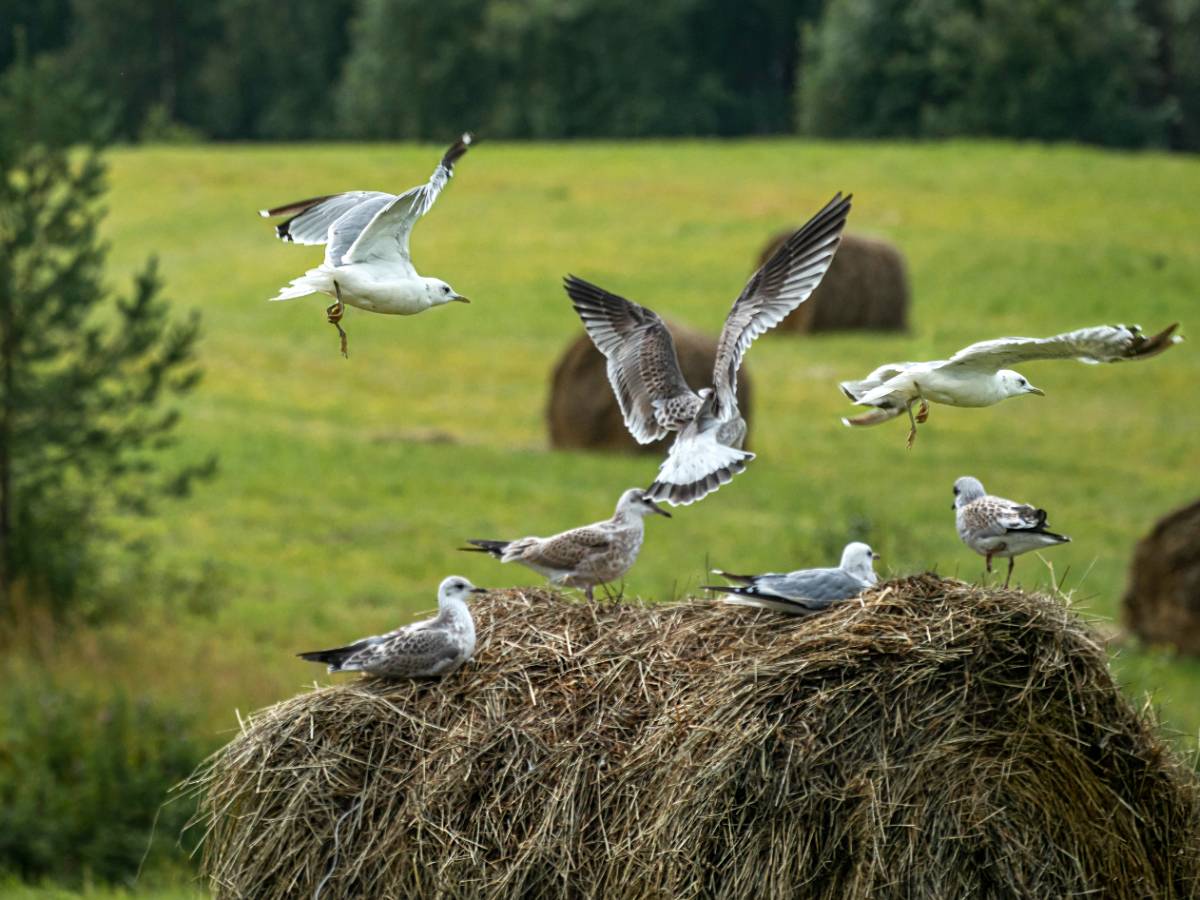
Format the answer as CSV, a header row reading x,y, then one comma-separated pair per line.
x,y
1112,72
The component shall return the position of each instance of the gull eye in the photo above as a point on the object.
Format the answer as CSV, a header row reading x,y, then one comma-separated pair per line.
x,y
445,288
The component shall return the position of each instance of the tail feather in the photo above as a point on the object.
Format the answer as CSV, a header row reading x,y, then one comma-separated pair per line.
x,y
744,579
696,466
494,549
314,281
333,658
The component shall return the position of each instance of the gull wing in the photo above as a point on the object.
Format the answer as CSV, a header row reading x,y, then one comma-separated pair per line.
x,y
994,516
566,550
643,367
1103,343
311,219
385,235
407,652
812,585
786,280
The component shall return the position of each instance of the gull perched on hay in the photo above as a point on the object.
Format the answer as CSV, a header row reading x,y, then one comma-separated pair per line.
x,y
993,526
367,262
424,649
805,591
644,371
975,375
587,556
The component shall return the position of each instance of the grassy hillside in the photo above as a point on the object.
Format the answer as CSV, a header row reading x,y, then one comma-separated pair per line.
x,y
346,485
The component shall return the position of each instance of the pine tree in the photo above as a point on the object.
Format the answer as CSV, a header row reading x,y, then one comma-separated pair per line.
x,y
85,376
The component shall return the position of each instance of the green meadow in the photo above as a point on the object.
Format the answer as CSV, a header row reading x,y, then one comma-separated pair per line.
x,y
345,486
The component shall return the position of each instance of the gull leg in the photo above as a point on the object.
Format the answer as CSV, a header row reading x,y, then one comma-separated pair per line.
x,y
912,431
588,592
335,311
989,561
1008,577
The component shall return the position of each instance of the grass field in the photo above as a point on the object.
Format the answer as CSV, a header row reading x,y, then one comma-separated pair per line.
x,y
346,485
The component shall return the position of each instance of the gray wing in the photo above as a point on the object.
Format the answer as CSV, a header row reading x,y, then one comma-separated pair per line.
x,y
311,219
787,280
385,236
1103,343
810,584
409,652
643,367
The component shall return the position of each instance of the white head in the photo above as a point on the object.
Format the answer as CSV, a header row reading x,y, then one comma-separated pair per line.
x,y
438,292
634,502
1013,384
967,490
859,559
456,589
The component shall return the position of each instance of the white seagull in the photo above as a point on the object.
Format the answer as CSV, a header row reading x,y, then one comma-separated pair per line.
x,y
975,376
805,591
435,646
367,262
643,368
587,556
993,526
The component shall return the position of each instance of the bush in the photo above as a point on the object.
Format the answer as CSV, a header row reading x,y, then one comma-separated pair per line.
x,y
83,782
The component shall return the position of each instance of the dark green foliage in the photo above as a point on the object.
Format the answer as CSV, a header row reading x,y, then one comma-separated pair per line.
x,y
1014,68
272,72
83,779
84,375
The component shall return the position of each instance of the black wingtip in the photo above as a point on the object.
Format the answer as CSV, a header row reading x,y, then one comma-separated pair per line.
x,y
458,150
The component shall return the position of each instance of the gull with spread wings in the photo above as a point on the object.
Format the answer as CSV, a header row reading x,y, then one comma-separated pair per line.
x,y
367,262
975,376
644,371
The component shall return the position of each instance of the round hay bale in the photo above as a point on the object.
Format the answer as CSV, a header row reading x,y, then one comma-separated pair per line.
x,y
1162,603
582,412
935,740
866,289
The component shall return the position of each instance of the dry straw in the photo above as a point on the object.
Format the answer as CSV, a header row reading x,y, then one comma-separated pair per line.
x,y
935,740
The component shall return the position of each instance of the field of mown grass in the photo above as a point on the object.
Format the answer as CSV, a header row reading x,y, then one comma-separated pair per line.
x,y
345,486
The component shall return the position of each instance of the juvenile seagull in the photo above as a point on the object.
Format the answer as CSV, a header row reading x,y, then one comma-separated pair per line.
x,y
805,591
587,556
365,233
435,646
975,375
993,526
644,371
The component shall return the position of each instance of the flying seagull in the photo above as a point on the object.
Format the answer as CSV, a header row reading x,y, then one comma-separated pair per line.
x,y
975,375
587,556
644,371
805,591
993,526
435,646
367,262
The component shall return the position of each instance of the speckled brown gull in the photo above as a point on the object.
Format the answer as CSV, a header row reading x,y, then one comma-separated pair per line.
x,y
993,526
644,371
424,649
975,376
587,556
805,591
367,262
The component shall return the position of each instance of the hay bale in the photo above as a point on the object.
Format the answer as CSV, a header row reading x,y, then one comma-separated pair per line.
x,y
582,413
866,288
1162,603
937,740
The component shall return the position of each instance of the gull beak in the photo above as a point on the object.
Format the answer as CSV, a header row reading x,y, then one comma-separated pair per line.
x,y
479,590
460,298
658,509
875,556
1032,390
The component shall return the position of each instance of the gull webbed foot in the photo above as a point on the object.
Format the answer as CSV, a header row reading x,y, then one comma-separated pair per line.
x,y
923,412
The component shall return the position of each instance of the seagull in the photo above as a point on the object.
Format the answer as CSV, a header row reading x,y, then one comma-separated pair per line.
x,y
974,375
643,368
586,556
805,591
435,646
993,526
367,263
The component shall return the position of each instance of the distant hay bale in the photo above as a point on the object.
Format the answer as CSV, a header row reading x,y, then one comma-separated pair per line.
x,y
866,288
936,740
582,412
1162,603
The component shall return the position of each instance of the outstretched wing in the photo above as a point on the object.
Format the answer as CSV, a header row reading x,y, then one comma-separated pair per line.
x,y
385,235
642,365
310,220
787,280
1103,343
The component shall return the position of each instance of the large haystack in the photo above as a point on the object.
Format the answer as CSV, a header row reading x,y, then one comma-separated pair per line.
x,y
582,412
934,741
1162,603
866,288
